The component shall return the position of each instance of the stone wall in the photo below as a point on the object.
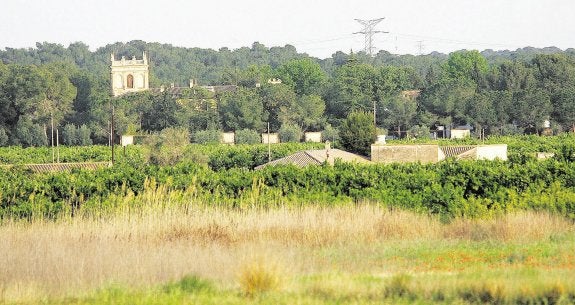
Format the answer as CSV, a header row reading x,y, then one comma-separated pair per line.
x,y
228,137
273,138
460,133
404,153
492,152
313,137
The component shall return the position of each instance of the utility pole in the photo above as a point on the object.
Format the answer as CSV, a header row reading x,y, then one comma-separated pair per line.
x,y
112,134
52,136
269,145
57,146
368,32
374,116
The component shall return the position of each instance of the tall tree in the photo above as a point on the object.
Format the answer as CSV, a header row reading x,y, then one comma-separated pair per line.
x,y
469,65
23,88
310,112
554,71
57,96
253,75
304,76
563,101
448,99
514,76
480,111
531,109
357,132
163,113
391,80
279,103
399,112
198,109
353,88
242,109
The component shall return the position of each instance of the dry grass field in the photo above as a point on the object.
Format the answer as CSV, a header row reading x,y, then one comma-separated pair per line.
x,y
357,254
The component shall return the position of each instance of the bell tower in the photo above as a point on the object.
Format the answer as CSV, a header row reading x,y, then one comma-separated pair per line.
x,y
129,75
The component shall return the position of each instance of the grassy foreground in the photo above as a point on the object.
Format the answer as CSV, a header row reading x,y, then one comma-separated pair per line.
x,y
359,254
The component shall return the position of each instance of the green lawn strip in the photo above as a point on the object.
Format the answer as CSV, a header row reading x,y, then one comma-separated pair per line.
x,y
451,255
503,286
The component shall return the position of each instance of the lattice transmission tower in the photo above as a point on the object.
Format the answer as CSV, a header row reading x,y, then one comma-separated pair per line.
x,y
368,32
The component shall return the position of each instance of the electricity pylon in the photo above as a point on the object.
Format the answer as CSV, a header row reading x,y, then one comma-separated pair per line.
x,y
369,31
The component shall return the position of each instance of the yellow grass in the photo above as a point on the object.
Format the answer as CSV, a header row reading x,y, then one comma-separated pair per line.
x,y
72,257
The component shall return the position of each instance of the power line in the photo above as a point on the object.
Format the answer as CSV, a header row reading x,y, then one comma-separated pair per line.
x,y
455,41
320,41
368,32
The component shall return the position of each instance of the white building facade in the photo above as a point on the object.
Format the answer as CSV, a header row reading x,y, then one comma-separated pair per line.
x,y
129,75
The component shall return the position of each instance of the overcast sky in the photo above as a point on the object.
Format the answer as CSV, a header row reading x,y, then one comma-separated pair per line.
x,y
319,28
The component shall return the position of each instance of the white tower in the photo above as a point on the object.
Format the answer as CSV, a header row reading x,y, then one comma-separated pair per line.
x,y
129,75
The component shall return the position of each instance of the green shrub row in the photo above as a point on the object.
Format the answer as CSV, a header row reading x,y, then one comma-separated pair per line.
x,y
450,189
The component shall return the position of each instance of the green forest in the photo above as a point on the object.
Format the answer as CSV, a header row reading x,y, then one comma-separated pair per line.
x,y
498,92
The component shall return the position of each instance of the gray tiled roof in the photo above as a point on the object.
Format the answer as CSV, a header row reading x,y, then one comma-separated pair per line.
x,y
61,167
455,151
317,157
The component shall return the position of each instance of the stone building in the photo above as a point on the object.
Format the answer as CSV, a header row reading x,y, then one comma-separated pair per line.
x,y
129,75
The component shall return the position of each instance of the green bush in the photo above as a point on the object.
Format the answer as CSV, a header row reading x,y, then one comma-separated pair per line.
x,y
208,137
69,135
248,136
419,131
190,284
483,293
259,277
357,133
167,147
83,135
28,134
330,134
399,286
290,133
3,137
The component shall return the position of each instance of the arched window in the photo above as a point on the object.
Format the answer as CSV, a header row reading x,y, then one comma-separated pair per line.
x,y
130,81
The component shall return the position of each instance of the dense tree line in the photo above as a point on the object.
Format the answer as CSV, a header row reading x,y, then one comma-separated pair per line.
x,y
502,92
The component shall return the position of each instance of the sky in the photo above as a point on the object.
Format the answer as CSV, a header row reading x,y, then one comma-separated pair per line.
x,y
318,28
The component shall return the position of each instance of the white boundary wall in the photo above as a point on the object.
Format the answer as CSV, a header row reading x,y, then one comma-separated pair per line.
x,y
492,152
